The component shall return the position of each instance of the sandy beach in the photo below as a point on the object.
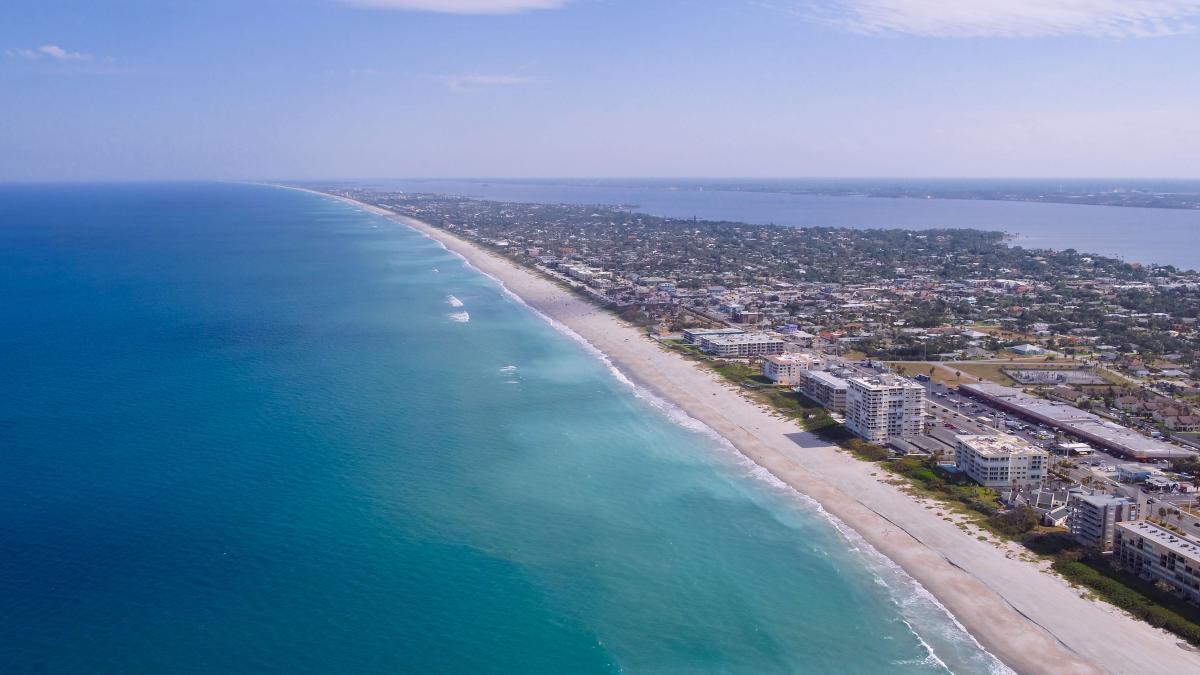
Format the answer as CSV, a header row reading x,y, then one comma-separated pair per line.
x,y
1031,620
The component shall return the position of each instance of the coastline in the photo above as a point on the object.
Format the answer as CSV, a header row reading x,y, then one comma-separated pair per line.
x,y
1030,620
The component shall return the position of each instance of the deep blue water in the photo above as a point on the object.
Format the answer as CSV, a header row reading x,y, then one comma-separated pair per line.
x,y
247,429
1145,235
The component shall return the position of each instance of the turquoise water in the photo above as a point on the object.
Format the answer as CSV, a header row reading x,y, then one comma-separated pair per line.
x,y
247,428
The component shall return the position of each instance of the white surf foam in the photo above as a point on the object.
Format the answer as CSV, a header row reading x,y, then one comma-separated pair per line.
x,y
508,369
459,317
453,301
877,562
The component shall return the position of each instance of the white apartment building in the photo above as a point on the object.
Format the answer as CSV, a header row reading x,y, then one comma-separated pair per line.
x,y
826,389
884,407
1000,460
785,369
692,336
1093,519
741,345
1159,555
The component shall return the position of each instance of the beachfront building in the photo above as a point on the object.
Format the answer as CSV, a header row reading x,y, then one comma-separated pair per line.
x,y
883,407
825,389
1000,460
692,336
1092,519
741,345
1159,554
785,369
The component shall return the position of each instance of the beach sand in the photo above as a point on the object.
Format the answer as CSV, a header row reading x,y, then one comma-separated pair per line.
x,y
1031,620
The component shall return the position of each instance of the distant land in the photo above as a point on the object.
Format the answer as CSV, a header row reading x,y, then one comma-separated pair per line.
x,y
1144,235
1142,193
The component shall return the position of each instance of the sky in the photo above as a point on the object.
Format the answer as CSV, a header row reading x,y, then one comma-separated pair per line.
x,y
313,89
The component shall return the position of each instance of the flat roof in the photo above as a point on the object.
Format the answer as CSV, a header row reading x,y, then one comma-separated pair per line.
x,y
1105,499
885,381
1079,422
998,445
742,338
793,358
827,379
1174,542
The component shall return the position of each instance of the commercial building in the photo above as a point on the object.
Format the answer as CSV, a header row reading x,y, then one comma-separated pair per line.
x,y
1092,519
1068,448
1134,473
1090,427
884,407
1000,460
692,336
785,369
825,389
741,345
1158,554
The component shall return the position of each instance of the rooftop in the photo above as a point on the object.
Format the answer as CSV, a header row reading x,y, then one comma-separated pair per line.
x,y
793,358
1104,500
741,338
1074,420
884,382
999,445
1174,542
828,379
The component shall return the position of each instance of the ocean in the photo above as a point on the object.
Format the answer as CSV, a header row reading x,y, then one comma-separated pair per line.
x,y
246,429
1144,235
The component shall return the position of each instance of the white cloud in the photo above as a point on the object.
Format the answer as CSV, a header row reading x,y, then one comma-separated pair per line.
x,y
59,54
50,52
461,6
1011,18
479,81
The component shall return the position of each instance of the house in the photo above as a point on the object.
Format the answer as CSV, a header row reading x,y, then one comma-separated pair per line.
x,y
1027,350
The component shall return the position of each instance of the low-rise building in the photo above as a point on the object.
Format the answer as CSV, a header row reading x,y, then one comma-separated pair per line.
x,y
1134,473
785,369
692,335
1093,519
1027,350
1000,460
825,389
1089,427
884,407
1159,554
741,345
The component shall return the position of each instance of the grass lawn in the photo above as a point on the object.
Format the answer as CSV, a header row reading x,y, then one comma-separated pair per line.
x,y
942,374
992,372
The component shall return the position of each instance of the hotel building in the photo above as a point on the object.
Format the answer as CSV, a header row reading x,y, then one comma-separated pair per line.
x,y
884,407
692,336
1159,554
1092,519
785,369
825,389
1000,460
741,345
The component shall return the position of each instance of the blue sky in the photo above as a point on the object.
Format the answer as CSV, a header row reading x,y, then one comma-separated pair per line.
x,y
132,89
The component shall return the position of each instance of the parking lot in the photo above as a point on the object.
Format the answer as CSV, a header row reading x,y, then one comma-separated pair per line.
x,y
961,414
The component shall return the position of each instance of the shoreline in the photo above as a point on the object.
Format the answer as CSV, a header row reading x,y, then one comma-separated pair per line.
x,y
1030,620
